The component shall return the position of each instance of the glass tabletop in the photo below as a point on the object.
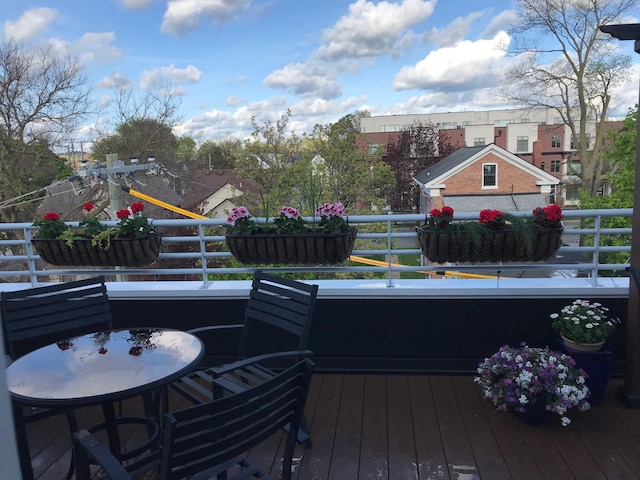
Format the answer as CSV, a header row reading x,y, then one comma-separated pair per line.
x,y
103,366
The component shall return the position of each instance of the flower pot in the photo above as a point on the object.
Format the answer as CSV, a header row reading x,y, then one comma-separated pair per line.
x,y
127,252
310,248
533,413
582,347
493,246
597,365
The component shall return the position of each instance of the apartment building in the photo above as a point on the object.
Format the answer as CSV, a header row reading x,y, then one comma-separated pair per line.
x,y
538,136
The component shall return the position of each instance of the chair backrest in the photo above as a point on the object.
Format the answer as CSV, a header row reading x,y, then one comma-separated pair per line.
x,y
283,304
38,316
205,436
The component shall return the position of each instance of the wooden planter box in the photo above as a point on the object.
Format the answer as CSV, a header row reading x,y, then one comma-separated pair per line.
x,y
495,246
127,252
301,249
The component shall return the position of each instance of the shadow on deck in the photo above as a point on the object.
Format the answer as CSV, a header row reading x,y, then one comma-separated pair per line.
x,y
401,427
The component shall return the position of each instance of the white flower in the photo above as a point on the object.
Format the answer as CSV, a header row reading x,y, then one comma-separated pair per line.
x,y
523,399
565,421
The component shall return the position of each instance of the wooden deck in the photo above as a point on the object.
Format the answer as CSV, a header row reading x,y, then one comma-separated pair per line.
x,y
421,427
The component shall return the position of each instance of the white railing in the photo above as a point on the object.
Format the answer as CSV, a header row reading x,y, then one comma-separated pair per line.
x,y
19,261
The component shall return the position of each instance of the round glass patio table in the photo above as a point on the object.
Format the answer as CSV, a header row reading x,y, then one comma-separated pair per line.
x,y
102,368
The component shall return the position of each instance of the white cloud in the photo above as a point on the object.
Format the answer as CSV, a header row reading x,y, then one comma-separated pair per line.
x,y
453,33
234,101
467,65
30,24
306,79
502,21
154,78
182,16
372,29
115,80
96,48
136,4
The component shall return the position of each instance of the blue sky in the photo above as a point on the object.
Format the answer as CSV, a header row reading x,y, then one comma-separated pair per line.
x,y
230,60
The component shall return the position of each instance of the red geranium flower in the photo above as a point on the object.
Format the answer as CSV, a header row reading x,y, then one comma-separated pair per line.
x,y
124,213
137,207
52,216
88,207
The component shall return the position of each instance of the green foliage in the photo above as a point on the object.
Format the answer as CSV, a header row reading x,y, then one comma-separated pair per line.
x,y
140,138
621,154
584,322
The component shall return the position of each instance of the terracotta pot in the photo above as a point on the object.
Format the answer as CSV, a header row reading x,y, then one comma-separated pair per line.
x,y
126,252
309,248
582,347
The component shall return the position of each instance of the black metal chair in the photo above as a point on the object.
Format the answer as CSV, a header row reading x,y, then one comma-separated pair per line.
x,y
34,317
213,438
285,307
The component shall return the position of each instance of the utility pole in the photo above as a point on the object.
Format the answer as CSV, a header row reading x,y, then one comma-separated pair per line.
x,y
115,192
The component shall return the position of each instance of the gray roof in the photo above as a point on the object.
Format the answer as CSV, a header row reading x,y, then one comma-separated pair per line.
x,y
522,202
447,163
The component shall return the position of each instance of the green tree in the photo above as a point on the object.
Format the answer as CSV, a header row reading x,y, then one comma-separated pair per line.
x,y
567,64
43,96
218,155
268,154
622,154
350,176
186,149
140,138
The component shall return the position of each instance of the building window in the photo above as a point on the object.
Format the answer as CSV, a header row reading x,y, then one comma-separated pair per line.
x,y
572,194
555,141
575,168
573,144
449,125
489,175
479,142
523,144
542,166
558,121
555,166
390,128
372,148
552,194
501,123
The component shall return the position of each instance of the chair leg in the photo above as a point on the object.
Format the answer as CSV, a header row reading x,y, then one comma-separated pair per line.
x,y
24,455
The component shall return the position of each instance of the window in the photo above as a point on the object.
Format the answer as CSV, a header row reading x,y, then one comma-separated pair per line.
x,y
523,144
552,194
501,123
542,166
558,121
489,175
572,194
555,141
449,125
573,144
390,128
555,166
575,168
479,141
373,147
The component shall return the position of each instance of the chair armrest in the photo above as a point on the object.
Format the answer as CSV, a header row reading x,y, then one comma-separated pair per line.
x,y
87,447
215,327
230,367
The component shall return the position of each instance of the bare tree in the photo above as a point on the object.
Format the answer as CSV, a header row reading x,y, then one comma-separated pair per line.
x,y
43,96
567,64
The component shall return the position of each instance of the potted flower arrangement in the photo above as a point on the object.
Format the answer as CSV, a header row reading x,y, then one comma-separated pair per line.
x,y
584,325
133,242
496,236
289,238
532,382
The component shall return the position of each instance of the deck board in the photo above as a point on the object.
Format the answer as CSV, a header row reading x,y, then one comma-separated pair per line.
x,y
424,427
